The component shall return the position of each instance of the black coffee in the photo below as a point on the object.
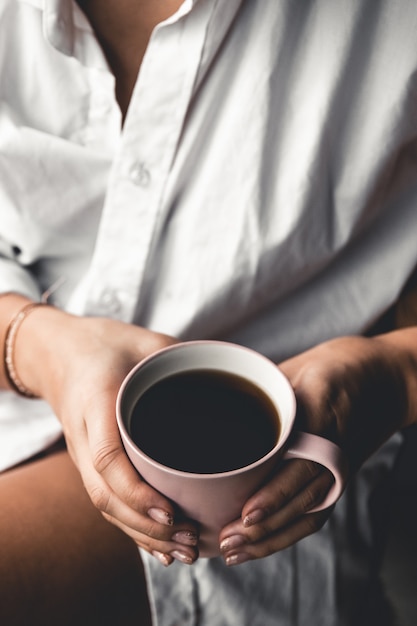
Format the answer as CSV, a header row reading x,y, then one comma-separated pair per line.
x,y
205,422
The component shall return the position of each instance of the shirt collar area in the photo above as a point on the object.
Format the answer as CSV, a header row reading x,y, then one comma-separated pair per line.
x,y
185,8
62,18
57,21
68,30
58,25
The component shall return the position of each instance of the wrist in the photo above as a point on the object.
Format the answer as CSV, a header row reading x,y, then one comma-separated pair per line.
x,y
10,305
10,338
36,344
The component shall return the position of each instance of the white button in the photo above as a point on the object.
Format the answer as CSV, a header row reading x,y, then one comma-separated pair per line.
x,y
110,301
140,175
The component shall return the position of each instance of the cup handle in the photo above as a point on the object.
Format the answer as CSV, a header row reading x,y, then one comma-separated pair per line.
x,y
325,452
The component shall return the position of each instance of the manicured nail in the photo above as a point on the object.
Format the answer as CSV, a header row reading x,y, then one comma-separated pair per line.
x,y
182,556
254,517
163,558
234,541
236,559
186,537
161,516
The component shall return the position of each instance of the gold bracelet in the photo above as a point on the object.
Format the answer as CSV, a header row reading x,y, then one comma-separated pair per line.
x,y
9,346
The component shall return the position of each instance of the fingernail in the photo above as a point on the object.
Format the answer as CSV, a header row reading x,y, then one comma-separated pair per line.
x,y
186,537
182,556
163,558
234,541
161,516
254,517
237,559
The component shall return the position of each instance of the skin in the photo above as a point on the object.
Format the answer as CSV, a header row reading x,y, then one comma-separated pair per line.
x,y
123,30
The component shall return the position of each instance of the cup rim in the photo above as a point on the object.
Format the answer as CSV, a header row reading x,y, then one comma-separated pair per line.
x,y
136,451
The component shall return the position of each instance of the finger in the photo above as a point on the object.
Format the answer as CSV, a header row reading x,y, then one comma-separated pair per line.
x,y
139,509
295,509
270,520
164,551
121,516
285,537
178,541
110,461
165,559
293,491
150,516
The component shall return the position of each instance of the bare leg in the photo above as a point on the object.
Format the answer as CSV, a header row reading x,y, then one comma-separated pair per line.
x,y
61,563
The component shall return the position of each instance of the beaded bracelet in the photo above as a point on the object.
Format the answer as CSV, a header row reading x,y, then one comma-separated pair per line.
x,y
10,338
9,346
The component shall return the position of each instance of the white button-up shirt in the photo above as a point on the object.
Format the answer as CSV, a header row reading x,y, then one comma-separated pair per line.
x,y
263,190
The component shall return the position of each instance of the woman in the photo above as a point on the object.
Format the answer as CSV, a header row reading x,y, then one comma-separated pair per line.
x,y
171,171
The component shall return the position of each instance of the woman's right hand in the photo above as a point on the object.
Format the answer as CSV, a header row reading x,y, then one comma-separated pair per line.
x,y
77,365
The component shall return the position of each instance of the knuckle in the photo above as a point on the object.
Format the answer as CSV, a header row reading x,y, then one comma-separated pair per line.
x,y
309,498
132,496
314,522
104,456
258,532
282,495
265,550
150,543
312,468
100,498
142,540
262,549
152,529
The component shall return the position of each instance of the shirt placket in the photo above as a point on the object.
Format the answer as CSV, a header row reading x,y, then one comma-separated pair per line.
x,y
134,203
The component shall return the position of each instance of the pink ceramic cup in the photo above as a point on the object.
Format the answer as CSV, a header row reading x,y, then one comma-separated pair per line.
x,y
214,500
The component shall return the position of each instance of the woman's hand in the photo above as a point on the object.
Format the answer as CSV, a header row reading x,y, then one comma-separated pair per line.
x,y
77,365
356,392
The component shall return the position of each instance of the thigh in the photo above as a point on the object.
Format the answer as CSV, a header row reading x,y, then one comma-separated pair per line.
x,y
60,561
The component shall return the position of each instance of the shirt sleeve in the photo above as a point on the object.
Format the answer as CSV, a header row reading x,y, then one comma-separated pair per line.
x,y
14,276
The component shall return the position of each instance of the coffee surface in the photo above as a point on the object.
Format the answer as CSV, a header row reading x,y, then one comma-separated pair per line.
x,y
204,422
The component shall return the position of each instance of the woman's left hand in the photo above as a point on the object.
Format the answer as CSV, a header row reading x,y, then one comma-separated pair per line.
x,y
356,392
